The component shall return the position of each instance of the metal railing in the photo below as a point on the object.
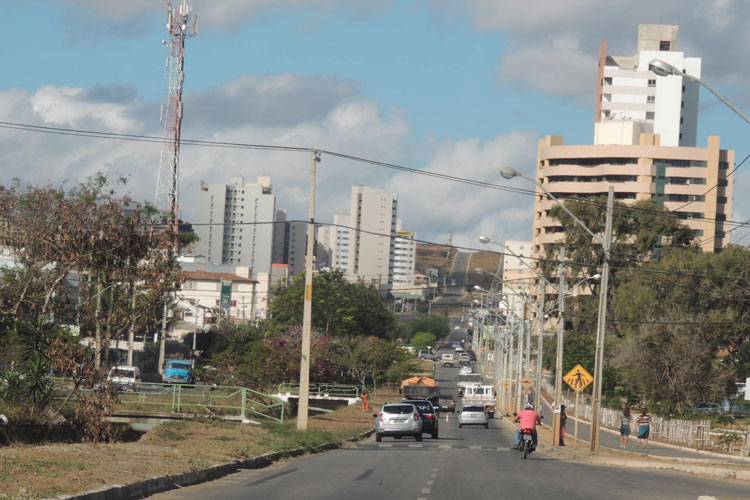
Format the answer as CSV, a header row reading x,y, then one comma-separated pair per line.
x,y
323,389
200,401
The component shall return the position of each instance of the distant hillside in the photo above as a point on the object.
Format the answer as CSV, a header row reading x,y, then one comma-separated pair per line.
x,y
434,256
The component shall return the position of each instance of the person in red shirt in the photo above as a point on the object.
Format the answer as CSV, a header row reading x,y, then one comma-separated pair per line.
x,y
528,419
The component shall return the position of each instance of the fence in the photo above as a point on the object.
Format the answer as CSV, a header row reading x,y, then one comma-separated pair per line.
x,y
321,389
200,401
692,433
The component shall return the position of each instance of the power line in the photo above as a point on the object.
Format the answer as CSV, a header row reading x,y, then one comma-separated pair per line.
x,y
266,147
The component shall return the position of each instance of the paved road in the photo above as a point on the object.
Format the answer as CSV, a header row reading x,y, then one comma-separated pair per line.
x,y
469,463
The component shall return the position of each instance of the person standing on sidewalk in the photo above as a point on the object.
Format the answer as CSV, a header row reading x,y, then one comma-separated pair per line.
x,y
625,419
563,421
644,426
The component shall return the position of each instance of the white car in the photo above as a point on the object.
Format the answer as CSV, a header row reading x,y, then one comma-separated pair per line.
x,y
465,370
473,415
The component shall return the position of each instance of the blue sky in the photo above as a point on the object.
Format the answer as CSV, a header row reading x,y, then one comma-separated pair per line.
x,y
429,84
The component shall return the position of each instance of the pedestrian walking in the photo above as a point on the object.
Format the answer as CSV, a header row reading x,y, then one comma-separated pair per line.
x,y
563,420
365,400
644,426
625,419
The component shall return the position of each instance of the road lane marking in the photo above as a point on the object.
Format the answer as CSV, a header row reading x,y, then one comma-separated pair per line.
x,y
426,490
430,483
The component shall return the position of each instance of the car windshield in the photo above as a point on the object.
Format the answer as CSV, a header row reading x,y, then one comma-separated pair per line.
x,y
124,373
472,408
399,409
423,407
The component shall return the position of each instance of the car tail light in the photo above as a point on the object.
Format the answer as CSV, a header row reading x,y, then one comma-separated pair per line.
x,y
416,416
428,417
380,417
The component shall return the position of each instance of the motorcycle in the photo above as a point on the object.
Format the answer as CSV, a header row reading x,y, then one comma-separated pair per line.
x,y
527,442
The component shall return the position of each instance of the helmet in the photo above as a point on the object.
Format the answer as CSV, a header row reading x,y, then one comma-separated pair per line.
x,y
528,406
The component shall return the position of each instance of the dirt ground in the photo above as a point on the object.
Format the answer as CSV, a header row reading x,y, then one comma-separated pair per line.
x,y
43,471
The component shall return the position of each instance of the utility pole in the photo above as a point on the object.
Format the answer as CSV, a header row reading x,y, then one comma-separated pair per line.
x,y
601,325
304,370
539,345
559,358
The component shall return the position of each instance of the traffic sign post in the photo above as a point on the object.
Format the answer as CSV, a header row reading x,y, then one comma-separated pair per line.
x,y
578,379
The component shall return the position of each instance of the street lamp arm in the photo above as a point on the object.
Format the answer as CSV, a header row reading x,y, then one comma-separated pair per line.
x,y
662,68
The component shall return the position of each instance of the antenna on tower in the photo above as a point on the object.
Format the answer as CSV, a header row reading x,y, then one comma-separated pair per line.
x,y
181,24
450,239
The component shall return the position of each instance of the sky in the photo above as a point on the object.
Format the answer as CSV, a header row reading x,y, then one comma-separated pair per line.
x,y
446,86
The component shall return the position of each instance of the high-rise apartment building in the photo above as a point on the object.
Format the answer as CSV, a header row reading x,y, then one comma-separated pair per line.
x,y
404,259
289,243
644,147
363,243
233,222
631,100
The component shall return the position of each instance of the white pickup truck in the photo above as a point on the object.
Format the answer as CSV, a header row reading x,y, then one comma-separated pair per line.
x,y
478,394
447,360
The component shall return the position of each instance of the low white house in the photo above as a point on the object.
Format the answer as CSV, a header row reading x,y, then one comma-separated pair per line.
x,y
205,295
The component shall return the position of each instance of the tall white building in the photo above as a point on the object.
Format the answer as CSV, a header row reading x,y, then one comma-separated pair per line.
x,y
631,100
363,243
233,222
518,278
404,259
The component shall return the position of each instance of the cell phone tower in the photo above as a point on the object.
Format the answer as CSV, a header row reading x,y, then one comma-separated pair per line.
x,y
181,24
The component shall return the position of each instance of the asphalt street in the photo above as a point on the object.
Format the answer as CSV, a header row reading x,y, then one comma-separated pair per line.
x,y
469,463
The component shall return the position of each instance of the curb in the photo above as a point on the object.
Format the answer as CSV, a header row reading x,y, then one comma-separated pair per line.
x,y
160,484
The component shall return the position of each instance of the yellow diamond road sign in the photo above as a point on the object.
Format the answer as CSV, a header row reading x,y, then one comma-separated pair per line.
x,y
578,378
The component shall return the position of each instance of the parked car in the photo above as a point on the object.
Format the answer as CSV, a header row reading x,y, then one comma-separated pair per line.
x,y
126,378
398,420
464,358
704,408
446,403
473,415
430,421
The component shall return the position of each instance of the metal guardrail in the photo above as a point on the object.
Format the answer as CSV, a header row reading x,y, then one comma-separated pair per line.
x,y
322,389
201,401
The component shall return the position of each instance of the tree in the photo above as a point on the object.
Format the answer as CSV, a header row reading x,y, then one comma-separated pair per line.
x,y
339,307
372,357
439,326
422,340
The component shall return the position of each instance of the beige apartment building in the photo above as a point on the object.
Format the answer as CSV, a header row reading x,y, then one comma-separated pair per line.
x,y
694,182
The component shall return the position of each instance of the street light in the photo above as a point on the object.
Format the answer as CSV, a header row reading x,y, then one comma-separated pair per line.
x,y
605,242
540,340
662,68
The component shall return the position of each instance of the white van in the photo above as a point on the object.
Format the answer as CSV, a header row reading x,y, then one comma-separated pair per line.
x,y
126,377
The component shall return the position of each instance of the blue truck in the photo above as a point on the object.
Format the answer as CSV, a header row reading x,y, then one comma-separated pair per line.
x,y
178,371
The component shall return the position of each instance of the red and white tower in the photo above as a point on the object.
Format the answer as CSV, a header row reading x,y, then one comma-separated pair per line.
x,y
181,24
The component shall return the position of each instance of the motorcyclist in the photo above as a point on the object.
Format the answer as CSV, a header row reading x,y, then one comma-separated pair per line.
x,y
528,419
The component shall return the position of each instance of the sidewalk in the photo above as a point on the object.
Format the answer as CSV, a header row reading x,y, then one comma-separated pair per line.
x,y
579,451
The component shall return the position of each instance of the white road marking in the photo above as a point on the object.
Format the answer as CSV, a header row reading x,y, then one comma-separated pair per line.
x,y
426,490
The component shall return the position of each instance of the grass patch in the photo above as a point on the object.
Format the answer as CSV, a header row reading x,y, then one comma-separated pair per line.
x,y
171,431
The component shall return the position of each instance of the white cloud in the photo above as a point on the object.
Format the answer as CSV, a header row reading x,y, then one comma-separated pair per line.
x,y
69,106
437,207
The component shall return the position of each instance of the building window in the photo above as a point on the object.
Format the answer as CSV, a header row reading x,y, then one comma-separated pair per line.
x,y
652,83
664,45
680,135
650,98
682,120
682,104
683,88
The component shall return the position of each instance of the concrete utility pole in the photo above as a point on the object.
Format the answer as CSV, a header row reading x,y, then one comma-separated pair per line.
x,y
601,324
304,370
559,358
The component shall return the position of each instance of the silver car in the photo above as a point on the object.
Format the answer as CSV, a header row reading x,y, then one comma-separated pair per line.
x,y
398,420
473,415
